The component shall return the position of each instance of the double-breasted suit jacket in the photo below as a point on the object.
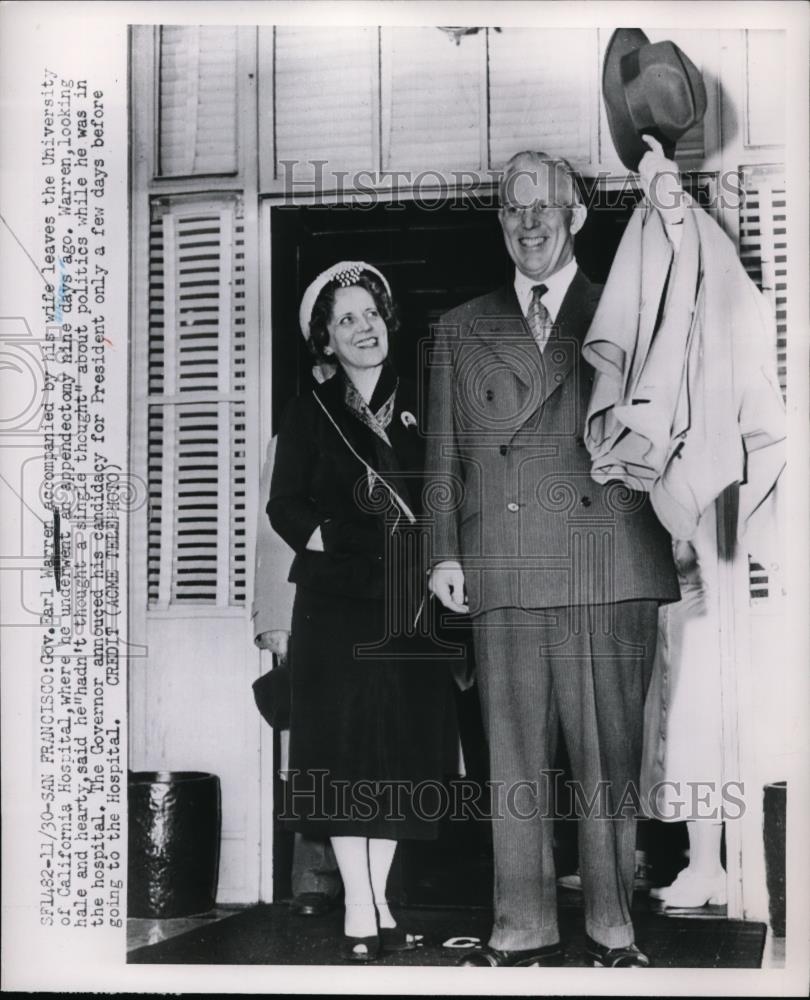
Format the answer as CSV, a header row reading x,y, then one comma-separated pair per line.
x,y
519,508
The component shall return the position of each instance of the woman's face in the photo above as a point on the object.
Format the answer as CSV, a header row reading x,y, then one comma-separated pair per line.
x,y
358,336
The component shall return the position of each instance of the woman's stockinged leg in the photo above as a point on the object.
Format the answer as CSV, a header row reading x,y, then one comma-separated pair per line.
x,y
352,855
380,859
704,878
704,847
393,938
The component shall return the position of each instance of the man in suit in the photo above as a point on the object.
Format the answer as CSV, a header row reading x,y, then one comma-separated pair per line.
x,y
562,576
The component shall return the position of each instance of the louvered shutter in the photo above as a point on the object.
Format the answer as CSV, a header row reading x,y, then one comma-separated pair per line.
x,y
432,94
758,582
763,245
197,96
763,251
541,92
326,82
196,427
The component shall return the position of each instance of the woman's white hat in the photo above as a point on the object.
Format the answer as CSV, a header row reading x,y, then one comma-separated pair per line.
x,y
346,273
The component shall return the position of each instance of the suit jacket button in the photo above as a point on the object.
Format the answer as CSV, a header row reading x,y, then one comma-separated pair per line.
x,y
504,449
513,507
585,501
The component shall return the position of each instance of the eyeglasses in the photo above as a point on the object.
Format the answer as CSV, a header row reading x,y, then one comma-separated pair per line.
x,y
537,209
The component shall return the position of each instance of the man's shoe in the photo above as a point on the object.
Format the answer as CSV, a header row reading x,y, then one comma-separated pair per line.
x,y
627,957
495,958
311,904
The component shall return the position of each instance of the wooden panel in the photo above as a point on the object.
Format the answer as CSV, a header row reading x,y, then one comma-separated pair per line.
x,y
541,92
764,88
431,105
325,101
197,97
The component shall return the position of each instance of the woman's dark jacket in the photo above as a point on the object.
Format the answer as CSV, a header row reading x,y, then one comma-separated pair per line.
x,y
317,481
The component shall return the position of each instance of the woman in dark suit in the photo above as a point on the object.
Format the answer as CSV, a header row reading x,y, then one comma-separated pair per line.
x,y
370,708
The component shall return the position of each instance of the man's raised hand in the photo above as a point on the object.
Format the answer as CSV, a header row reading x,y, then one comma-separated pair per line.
x,y
660,181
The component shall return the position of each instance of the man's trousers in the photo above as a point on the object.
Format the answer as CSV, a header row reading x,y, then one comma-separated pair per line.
x,y
586,669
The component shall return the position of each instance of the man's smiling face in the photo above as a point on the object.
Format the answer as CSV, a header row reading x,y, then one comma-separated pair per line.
x,y
539,215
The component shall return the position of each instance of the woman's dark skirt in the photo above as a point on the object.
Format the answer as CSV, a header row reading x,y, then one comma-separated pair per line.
x,y
370,730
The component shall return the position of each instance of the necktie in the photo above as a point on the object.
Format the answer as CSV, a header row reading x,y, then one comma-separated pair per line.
x,y
538,317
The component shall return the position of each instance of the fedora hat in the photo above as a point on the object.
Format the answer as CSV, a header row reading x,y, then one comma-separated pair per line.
x,y
649,88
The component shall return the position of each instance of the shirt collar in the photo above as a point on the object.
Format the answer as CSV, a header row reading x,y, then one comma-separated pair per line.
x,y
557,286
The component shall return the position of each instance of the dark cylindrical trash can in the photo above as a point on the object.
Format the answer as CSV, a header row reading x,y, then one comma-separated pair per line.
x,y
774,805
174,835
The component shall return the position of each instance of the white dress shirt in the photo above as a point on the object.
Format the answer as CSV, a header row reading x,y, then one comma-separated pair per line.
x,y
557,286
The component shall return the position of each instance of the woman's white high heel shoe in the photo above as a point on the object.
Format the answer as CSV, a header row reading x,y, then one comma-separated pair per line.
x,y
693,889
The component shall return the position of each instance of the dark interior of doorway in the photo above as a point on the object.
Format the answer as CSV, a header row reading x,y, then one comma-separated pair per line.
x,y
434,258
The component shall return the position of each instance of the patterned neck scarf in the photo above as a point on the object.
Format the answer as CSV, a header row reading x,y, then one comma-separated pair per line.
x,y
378,415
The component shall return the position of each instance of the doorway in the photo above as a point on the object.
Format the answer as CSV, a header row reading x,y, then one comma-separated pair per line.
x,y
434,259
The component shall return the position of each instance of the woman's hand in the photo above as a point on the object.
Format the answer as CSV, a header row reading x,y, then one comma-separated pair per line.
x,y
660,181
315,543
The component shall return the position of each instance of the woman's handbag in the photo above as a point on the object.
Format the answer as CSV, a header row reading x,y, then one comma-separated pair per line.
x,y
271,693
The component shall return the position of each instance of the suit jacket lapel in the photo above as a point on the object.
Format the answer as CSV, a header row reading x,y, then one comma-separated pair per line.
x,y
502,328
505,332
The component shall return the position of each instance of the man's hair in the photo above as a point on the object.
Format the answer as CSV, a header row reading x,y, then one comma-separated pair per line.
x,y
556,163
